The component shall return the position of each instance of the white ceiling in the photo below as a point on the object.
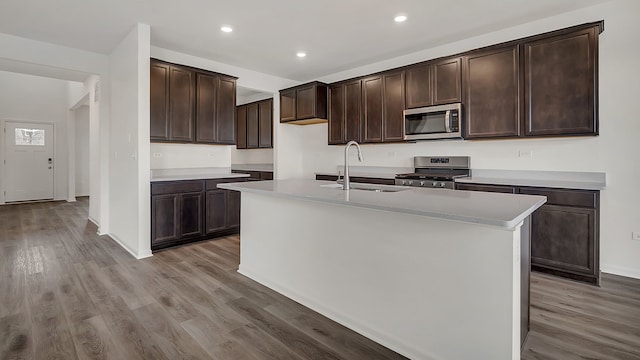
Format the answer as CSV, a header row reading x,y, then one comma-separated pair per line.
x,y
336,34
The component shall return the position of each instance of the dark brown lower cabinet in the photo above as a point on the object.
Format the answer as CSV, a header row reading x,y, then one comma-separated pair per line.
x,y
216,218
255,175
564,231
192,210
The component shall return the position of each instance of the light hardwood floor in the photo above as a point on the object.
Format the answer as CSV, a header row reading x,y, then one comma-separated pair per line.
x,y
66,293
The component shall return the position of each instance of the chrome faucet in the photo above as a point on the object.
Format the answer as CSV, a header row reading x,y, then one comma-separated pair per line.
x,y
346,184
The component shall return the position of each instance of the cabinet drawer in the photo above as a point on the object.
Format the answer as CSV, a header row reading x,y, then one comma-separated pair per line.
x,y
176,187
212,184
581,198
487,188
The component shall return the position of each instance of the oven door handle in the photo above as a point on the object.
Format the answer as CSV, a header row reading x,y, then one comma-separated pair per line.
x,y
447,121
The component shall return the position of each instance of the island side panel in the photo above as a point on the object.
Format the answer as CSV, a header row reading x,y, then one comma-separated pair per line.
x,y
424,287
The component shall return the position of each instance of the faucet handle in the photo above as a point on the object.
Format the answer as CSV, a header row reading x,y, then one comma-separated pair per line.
x,y
338,179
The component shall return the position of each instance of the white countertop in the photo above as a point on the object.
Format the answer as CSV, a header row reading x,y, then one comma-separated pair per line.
x,y
193,174
551,179
252,167
493,209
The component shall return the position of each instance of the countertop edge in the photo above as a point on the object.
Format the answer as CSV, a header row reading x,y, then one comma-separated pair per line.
x,y
507,225
199,177
558,184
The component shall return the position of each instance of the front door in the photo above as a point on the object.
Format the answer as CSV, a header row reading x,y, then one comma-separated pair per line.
x,y
28,161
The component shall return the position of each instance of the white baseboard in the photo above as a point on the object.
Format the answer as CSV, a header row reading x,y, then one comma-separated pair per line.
x,y
71,199
145,254
620,270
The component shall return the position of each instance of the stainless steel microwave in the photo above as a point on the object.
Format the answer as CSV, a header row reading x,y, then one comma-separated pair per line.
x,y
433,122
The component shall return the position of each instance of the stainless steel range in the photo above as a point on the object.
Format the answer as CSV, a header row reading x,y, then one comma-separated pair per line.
x,y
436,171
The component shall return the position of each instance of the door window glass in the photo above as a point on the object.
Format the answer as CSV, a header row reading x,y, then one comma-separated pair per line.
x,y
33,137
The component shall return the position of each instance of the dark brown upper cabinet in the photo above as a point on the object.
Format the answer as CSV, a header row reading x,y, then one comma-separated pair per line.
x,y
265,123
304,104
255,125
433,83
215,109
181,101
345,112
226,110
372,98
191,105
252,126
393,105
206,86
287,105
159,101
492,93
383,100
241,127
561,74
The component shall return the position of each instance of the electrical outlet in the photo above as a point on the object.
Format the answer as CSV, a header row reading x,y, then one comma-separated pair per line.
x,y
635,235
157,154
525,154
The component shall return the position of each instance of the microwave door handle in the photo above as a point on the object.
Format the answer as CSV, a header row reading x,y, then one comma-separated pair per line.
x,y
447,121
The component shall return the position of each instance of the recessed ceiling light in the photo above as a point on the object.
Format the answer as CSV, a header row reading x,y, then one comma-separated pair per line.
x,y
301,54
400,18
226,29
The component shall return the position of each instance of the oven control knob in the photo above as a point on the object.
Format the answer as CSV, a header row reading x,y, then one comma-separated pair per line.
x,y
421,183
410,182
442,184
434,184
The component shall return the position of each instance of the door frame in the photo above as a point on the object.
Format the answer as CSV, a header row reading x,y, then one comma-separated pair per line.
x,y
3,155
71,145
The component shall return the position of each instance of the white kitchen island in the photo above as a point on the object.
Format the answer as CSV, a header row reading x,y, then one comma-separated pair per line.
x,y
429,273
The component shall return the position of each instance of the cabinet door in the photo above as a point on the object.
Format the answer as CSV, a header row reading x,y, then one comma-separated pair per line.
x,y
492,93
165,218
252,126
216,211
265,113
563,239
181,104
191,215
486,188
393,95
372,93
337,124
353,110
418,86
159,101
560,84
241,127
233,208
287,105
305,102
225,111
206,107
446,81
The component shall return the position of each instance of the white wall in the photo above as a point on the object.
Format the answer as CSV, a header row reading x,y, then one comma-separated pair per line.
x,y
172,156
81,133
251,156
38,99
615,151
129,176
